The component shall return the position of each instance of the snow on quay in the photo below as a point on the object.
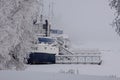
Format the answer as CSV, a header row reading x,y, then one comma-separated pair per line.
x,y
26,75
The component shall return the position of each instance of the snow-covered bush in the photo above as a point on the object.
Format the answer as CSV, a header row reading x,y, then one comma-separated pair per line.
x,y
116,5
16,31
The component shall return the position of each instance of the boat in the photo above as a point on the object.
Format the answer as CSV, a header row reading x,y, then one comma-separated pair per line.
x,y
53,46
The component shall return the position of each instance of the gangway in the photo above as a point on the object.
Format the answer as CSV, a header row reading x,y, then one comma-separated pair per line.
x,y
65,51
62,49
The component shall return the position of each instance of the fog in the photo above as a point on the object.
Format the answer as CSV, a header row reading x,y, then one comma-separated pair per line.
x,y
86,21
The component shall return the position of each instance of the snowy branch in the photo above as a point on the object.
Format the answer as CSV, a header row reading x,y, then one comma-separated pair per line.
x,y
16,31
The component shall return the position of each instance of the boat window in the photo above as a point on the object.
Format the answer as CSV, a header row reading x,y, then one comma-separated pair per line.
x,y
53,31
46,40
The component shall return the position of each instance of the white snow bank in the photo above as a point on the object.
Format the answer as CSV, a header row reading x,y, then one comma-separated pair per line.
x,y
26,75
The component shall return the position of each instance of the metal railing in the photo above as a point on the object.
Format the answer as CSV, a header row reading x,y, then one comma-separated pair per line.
x,y
78,59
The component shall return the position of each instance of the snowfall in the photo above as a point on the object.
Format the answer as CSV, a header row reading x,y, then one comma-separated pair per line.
x,y
108,70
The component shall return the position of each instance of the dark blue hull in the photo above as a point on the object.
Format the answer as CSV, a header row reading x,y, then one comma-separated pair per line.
x,y
41,58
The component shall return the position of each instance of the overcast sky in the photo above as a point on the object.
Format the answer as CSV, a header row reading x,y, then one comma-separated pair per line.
x,y
86,21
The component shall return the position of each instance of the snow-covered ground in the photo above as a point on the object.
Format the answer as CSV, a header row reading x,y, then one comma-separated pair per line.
x,y
26,75
108,70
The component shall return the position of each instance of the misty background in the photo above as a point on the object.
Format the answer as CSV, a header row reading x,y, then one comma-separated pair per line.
x,y
86,21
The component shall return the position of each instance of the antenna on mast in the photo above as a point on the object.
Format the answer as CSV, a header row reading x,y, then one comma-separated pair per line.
x,y
51,12
41,10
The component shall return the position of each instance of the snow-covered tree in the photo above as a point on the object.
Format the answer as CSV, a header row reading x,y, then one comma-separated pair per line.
x,y
116,5
16,31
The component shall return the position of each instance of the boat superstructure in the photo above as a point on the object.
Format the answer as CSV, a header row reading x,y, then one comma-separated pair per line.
x,y
44,51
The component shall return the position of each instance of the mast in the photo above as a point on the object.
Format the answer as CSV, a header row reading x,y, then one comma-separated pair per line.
x,y
41,10
51,11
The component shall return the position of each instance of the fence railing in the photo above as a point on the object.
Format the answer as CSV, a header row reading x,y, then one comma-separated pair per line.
x,y
78,59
